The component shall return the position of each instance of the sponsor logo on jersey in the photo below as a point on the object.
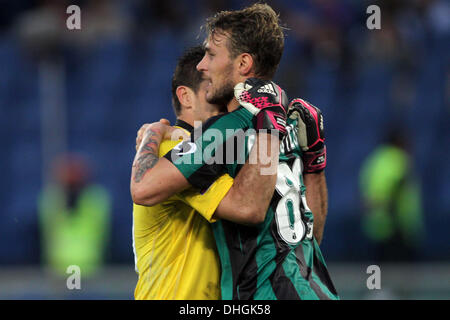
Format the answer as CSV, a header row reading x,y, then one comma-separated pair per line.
x,y
185,147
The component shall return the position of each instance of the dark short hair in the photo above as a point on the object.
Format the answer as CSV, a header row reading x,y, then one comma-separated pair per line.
x,y
255,30
186,74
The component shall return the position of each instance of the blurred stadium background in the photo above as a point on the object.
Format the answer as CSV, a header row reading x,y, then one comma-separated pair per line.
x,y
88,91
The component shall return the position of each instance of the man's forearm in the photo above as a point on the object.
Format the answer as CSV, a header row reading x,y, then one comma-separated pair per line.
x,y
147,154
317,199
249,197
153,179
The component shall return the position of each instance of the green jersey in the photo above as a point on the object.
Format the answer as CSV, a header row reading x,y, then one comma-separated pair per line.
x,y
279,258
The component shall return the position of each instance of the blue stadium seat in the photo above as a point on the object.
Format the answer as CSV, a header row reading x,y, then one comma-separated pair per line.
x,y
321,89
21,204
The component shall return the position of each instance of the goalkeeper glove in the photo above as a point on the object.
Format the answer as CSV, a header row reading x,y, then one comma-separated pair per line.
x,y
310,134
266,101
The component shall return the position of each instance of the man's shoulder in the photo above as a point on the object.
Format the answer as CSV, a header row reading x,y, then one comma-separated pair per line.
x,y
166,146
239,118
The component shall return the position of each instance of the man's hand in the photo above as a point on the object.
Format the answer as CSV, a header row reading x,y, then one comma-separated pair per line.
x,y
140,134
267,101
310,134
168,132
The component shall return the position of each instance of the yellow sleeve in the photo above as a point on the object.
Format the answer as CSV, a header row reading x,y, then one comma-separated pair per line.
x,y
166,146
207,203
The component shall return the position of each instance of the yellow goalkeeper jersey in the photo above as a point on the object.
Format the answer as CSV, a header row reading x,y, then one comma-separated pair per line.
x,y
175,252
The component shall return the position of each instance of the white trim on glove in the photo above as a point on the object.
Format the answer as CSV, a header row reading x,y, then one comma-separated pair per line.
x,y
238,91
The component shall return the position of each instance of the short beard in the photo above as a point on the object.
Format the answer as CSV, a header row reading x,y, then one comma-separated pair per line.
x,y
226,93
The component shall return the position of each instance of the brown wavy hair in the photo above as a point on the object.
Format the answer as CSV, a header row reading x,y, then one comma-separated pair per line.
x,y
255,30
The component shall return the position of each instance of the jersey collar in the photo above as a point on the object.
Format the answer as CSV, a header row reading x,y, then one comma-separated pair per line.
x,y
184,125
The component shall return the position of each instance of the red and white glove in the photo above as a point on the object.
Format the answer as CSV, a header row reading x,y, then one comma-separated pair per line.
x,y
310,134
266,101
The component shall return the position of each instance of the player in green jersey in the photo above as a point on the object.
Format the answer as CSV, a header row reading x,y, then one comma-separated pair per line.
x,y
277,258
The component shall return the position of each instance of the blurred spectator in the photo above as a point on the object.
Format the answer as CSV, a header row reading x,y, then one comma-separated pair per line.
x,y
392,196
41,30
438,16
100,20
74,218
157,15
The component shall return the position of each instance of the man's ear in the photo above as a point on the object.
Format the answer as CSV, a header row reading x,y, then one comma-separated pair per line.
x,y
184,95
245,64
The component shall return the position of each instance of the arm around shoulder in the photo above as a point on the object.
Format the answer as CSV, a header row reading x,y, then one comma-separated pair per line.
x,y
153,179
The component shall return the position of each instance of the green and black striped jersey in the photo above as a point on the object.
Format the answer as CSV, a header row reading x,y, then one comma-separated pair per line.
x,y
279,258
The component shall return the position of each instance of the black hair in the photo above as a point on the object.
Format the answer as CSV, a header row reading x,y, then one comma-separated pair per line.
x,y
186,74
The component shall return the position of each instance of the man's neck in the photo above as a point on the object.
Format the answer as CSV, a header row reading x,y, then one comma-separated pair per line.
x,y
232,105
188,120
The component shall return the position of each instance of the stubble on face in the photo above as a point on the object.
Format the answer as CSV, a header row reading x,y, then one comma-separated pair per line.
x,y
223,94
203,109
223,88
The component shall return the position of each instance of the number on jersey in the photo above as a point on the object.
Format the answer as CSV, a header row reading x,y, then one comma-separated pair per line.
x,y
288,216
